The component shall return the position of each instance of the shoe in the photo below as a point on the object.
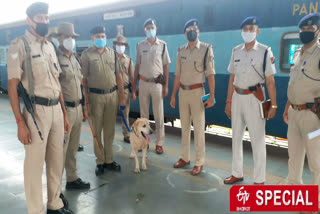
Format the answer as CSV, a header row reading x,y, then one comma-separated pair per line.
x,y
258,183
80,148
99,169
159,150
126,139
180,163
114,166
196,170
64,201
60,211
77,184
231,179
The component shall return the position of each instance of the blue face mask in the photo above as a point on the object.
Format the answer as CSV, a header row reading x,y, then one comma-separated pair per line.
x,y
100,43
151,33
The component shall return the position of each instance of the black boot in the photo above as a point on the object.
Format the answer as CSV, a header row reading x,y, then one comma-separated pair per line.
x,y
114,166
126,139
60,211
77,184
80,148
99,169
64,201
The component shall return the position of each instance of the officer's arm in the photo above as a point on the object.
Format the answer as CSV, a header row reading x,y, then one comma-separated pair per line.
x,y
210,72
176,82
14,99
120,88
230,88
85,91
211,83
166,74
131,71
135,79
271,89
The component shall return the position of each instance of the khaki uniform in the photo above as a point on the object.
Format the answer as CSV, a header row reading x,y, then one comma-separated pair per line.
x,y
151,62
70,80
127,69
245,110
302,90
190,70
99,69
46,70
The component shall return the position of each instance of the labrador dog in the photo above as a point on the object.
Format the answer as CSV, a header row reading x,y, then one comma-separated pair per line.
x,y
139,139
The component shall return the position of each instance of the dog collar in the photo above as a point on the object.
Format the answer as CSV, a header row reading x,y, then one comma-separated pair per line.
x,y
132,129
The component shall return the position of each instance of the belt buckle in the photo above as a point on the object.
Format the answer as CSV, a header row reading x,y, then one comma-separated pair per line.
x,y
149,80
186,87
49,101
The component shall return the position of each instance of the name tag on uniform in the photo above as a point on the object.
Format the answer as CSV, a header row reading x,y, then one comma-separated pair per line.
x,y
145,51
237,60
183,57
64,66
36,56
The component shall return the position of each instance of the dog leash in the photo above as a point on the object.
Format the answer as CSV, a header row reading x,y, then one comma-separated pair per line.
x,y
123,119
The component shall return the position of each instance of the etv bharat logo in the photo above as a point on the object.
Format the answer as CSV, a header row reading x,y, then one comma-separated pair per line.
x,y
243,196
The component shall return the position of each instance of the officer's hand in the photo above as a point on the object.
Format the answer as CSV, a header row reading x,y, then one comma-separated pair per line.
x,y
173,102
285,117
271,113
164,92
85,115
209,103
66,125
133,96
24,133
228,110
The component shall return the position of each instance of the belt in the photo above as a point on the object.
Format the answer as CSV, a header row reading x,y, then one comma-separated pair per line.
x,y
72,104
45,101
103,91
191,87
310,106
126,86
250,90
147,80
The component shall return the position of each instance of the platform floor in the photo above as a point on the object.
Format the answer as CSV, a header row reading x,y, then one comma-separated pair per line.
x,y
161,189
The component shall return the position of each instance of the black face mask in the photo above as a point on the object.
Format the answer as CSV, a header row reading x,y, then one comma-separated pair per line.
x,y
192,35
42,29
306,37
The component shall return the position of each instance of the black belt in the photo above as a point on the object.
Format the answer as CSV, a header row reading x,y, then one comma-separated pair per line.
x,y
45,101
72,104
126,86
103,91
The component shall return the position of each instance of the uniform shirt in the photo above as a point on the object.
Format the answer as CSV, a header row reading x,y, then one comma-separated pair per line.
x,y
301,89
190,63
44,62
243,64
70,78
150,59
99,69
126,68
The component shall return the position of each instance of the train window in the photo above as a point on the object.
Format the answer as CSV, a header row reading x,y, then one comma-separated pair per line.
x,y
290,42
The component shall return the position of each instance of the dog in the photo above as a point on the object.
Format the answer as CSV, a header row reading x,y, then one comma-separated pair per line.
x,y
139,140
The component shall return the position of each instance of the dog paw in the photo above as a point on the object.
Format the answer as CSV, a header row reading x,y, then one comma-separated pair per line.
x,y
137,171
144,168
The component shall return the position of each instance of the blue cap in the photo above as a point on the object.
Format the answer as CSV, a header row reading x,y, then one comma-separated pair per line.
x,y
98,29
191,22
310,19
149,21
251,20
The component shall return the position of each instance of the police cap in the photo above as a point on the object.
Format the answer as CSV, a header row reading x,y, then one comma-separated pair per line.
x,y
149,21
98,29
191,22
37,8
251,20
310,19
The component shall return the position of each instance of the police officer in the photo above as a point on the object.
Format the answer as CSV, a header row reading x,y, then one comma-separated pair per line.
x,y
102,78
70,80
39,70
127,72
245,92
300,110
194,64
152,61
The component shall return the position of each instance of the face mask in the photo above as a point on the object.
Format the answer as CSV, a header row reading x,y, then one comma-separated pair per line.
x,y
42,29
55,42
69,44
192,35
306,36
151,33
248,36
120,49
100,43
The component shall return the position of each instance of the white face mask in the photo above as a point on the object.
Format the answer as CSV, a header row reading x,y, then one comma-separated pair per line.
x,y
69,44
120,49
248,36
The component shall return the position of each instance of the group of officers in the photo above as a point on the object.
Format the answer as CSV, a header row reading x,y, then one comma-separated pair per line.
x,y
66,89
